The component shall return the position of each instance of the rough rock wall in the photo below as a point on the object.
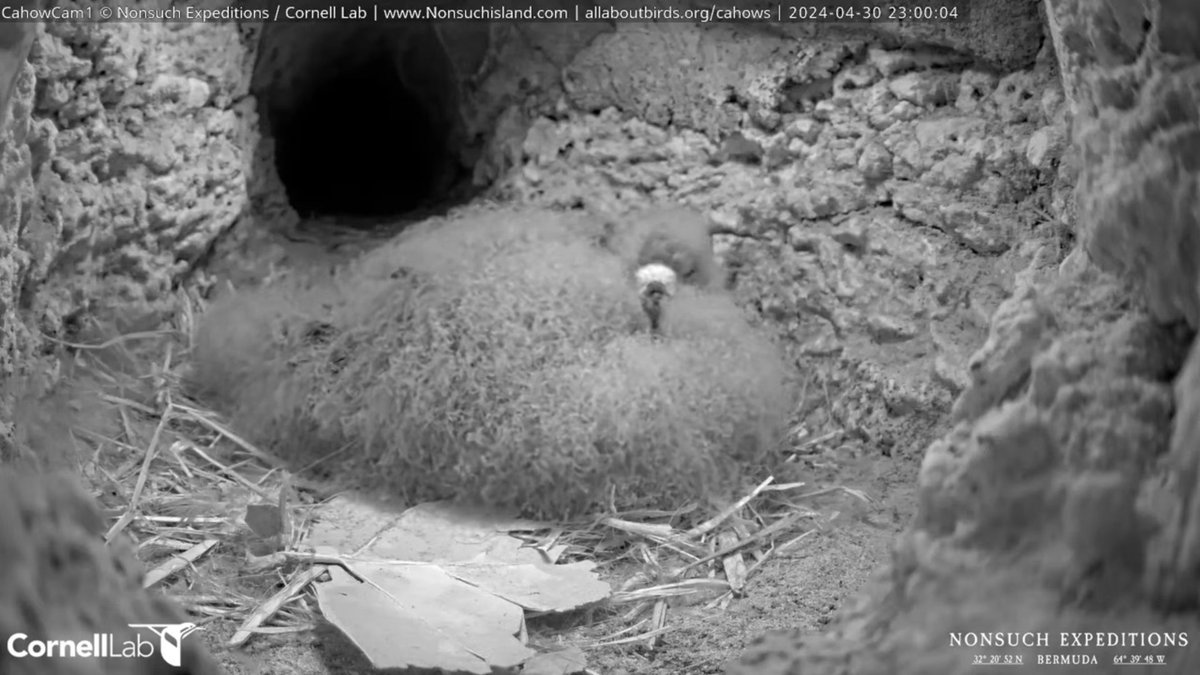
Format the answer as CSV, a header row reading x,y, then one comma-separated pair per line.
x,y
1045,507
16,193
672,73
121,161
143,147
59,580
1134,73
137,160
497,78
840,174
1138,93
1003,34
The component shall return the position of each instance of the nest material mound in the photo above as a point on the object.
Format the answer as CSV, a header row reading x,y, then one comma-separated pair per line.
x,y
499,357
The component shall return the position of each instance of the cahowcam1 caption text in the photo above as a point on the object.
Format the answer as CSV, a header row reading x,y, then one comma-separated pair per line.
x,y
106,13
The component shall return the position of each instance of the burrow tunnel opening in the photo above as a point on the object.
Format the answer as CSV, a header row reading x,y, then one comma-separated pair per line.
x,y
369,134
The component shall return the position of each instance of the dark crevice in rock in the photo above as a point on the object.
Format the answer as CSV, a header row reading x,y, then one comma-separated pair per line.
x,y
359,143
370,130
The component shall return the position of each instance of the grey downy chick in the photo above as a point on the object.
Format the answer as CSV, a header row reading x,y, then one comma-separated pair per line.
x,y
666,248
656,284
673,249
680,239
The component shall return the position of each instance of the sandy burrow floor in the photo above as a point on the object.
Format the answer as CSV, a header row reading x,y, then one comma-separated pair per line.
x,y
800,589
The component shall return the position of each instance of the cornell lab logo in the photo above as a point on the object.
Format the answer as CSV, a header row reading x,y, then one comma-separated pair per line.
x,y
170,639
106,645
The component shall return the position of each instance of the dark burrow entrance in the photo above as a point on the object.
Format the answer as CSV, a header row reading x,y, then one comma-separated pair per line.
x,y
368,132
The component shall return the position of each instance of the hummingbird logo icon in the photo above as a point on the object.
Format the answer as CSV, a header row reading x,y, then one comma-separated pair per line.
x,y
170,639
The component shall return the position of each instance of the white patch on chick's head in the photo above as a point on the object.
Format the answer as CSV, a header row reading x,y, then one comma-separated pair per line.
x,y
656,278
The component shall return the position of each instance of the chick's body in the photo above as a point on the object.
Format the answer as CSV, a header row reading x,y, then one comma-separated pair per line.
x,y
667,248
680,239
